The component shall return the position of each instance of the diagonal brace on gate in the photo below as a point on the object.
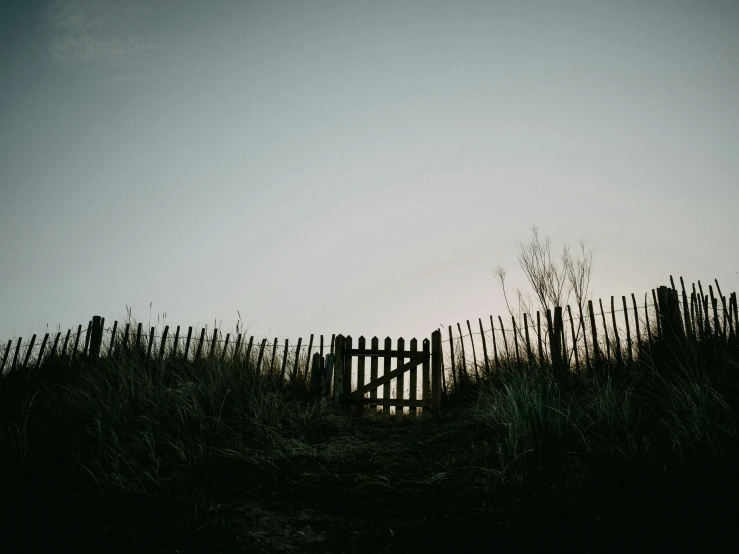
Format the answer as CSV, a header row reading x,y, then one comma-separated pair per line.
x,y
415,361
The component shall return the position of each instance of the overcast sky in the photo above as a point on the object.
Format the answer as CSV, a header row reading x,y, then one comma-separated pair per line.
x,y
355,167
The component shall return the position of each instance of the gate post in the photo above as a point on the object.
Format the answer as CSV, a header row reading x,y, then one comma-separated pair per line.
x,y
96,337
339,367
436,357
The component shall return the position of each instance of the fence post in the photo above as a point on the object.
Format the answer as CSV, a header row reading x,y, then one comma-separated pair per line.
x,y
436,355
339,367
96,340
556,345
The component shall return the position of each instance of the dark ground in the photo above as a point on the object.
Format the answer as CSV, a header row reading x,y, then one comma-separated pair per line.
x,y
409,488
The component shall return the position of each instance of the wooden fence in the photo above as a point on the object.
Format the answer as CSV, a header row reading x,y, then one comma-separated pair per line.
x,y
164,347
588,339
583,339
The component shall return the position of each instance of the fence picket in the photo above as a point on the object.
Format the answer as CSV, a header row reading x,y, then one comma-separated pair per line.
x,y
605,330
261,355
112,339
360,364
29,349
413,378
284,362
505,340
5,356
247,357
484,348
310,346
617,345
386,368
297,358
41,352
628,331
177,342
53,348
187,342
272,361
151,343
199,350
474,355
538,336
464,357
375,344
529,354
495,345
515,340
213,344
66,341
574,339
164,342
594,335
451,352
400,380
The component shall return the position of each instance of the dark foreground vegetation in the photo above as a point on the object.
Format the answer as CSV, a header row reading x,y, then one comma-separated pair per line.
x,y
126,455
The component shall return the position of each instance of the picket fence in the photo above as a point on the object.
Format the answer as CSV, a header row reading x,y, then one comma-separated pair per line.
x,y
573,342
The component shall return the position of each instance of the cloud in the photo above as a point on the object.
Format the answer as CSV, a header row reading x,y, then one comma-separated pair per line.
x,y
109,31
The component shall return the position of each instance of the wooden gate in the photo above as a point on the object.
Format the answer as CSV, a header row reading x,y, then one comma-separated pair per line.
x,y
428,358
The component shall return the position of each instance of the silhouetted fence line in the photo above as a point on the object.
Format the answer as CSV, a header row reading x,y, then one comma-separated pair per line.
x,y
579,339
586,335
129,340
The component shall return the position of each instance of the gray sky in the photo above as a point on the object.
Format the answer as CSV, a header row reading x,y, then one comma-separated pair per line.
x,y
355,167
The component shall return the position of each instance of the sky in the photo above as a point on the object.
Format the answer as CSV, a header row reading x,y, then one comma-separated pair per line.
x,y
356,167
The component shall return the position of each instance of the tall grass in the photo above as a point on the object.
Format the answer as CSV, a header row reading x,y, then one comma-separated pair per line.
x,y
128,428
